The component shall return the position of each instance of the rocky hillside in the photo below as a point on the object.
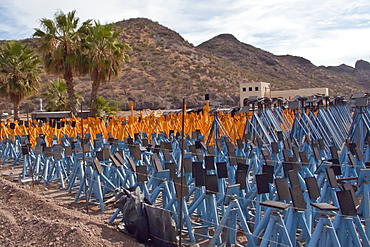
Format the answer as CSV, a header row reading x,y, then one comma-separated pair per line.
x,y
165,68
288,72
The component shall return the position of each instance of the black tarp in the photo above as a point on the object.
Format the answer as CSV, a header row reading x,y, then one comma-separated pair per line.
x,y
131,204
162,228
144,221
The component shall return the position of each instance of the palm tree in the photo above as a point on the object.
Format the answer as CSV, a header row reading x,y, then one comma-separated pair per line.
x,y
104,107
19,73
60,44
56,96
104,57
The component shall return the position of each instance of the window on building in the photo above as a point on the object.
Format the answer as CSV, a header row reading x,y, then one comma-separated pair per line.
x,y
256,88
244,89
250,89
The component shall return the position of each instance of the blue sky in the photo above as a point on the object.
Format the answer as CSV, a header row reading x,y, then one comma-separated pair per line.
x,y
327,32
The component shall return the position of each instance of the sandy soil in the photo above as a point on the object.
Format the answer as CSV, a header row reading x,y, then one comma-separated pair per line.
x,y
39,215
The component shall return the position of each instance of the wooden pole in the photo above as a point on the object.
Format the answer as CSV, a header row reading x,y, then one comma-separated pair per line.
x,y
182,165
132,104
83,160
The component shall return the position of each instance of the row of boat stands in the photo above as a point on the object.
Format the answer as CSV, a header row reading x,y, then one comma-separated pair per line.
x,y
304,182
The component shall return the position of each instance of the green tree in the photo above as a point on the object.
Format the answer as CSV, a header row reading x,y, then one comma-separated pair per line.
x,y
19,73
104,57
104,107
60,44
56,96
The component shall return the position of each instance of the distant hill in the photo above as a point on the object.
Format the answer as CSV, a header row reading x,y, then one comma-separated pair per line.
x,y
288,72
165,68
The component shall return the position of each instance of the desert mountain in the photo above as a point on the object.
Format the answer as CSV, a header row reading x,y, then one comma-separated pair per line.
x,y
165,68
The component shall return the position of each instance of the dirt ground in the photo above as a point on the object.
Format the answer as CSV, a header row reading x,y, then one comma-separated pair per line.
x,y
45,215
34,214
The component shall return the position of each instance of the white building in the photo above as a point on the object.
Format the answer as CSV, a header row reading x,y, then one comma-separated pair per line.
x,y
263,89
260,89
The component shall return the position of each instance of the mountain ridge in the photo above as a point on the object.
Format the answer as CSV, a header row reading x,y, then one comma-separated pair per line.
x,y
165,68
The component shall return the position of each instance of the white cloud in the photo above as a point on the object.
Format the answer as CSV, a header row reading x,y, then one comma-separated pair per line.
x,y
344,46
327,32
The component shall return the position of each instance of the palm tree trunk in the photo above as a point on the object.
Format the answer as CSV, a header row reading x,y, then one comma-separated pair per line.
x,y
68,77
94,96
16,109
